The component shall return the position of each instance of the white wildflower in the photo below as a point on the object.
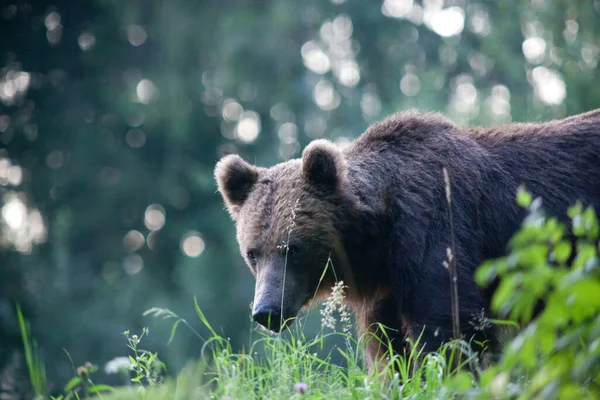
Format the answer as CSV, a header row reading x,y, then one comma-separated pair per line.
x,y
335,303
117,364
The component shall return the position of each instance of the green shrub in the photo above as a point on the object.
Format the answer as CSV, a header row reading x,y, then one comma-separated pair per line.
x,y
557,353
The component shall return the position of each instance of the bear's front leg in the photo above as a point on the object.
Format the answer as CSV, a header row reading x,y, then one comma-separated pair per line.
x,y
427,304
381,329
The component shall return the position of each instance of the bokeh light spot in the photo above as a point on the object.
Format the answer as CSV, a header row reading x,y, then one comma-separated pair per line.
x,y
280,112
52,21
54,28
10,174
342,27
30,131
315,127
152,240
464,98
314,58
348,73
232,110
325,95
13,86
136,35
146,91
135,138
55,159
549,85
370,104
14,213
192,244
288,133
397,8
133,264
534,49
410,85
133,241
480,22
15,175
288,150
86,41
154,217
448,22
248,127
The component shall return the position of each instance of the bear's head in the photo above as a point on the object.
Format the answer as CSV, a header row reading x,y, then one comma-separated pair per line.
x,y
288,227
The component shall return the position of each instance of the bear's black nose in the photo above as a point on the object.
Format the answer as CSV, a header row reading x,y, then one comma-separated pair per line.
x,y
268,316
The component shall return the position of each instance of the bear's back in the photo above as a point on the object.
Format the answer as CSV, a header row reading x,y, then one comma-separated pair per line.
x,y
559,158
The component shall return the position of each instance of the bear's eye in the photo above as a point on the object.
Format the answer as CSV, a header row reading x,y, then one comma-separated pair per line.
x,y
251,254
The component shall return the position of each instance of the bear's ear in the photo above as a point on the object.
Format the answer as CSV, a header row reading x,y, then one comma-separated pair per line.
x,y
323,165
235,178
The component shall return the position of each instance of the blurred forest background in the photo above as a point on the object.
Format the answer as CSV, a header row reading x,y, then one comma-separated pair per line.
x,y
113,114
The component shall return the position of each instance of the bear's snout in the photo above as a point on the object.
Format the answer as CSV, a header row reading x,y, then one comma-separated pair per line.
x,y
269,316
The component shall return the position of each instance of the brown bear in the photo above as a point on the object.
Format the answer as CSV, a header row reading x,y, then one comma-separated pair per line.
x,y
377,208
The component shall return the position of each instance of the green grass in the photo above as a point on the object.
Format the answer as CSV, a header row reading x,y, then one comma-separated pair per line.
x,y
35,366
554,356
295,367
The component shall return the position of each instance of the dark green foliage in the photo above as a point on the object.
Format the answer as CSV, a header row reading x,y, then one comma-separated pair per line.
x,y
557,353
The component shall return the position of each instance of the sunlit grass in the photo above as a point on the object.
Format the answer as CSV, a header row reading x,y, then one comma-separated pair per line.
x,y
35,366
298,366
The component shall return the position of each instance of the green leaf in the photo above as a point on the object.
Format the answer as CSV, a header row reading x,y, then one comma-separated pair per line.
x,y
485,274
503,294
575,210
584,299
203,318
590,222
546,340
556,313
173,330
534,255
585,252
506,322
101,388
524,198
72,383
462,382
572,391
562,251
578,226
527,352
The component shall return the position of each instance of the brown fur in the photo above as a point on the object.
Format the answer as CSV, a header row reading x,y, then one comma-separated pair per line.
x,y
378,209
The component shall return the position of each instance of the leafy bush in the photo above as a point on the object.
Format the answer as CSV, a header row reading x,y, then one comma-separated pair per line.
x,y
557,354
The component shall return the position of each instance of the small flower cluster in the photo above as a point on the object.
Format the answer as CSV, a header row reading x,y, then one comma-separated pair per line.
x,y
85,369
480,321
335,302
301,387
117,365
